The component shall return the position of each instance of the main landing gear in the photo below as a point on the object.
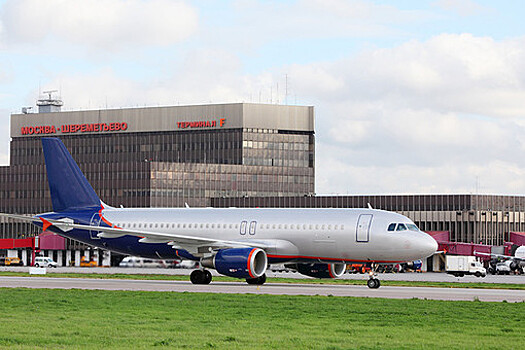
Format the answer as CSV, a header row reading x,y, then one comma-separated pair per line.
x,y
373,282
259,280
200,277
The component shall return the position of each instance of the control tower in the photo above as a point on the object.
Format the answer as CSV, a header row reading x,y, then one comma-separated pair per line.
x,y
49,104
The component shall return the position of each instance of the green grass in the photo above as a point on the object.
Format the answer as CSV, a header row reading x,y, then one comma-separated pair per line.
x,y
361,281
54,319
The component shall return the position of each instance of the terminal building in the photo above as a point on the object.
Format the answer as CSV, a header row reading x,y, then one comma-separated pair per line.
x,y
218,155
162,156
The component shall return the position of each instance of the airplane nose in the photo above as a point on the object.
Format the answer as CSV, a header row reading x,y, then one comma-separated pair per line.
x,y
428,245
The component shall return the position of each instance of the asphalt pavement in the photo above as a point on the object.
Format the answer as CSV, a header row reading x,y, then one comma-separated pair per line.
x,y
410,276
468,294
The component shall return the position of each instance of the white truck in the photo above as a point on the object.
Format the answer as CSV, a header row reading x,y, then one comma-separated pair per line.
x,y
459,266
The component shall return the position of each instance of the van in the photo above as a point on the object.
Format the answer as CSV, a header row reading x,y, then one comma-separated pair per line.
x,y
44,261
134,261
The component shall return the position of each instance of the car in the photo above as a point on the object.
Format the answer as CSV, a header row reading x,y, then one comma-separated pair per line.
x,y
11,261
44,261
503,268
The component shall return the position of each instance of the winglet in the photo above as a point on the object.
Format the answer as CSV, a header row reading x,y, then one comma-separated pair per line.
x,y
46,224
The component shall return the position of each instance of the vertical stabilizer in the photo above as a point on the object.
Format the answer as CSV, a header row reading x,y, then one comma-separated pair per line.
x,y
70,190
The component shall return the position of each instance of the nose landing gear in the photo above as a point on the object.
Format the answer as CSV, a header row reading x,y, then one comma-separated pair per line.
x,y
373,282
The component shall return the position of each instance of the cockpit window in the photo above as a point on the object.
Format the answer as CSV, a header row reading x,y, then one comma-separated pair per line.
x,y
392,227
401,227
412,227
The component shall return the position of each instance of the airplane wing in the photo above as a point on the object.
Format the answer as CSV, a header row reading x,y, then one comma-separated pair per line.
x,y
193,244
500,256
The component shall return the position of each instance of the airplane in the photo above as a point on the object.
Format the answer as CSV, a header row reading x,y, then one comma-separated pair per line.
x,y
514,262
236,242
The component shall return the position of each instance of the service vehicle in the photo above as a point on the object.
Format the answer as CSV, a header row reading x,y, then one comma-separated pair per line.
x,y
11,261
504,267
460,265
44,261
85,262
135,261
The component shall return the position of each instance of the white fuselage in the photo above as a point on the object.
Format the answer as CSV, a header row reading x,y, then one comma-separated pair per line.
x,y
322,234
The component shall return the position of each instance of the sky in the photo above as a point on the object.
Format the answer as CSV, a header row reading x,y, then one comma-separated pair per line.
x,y
409,96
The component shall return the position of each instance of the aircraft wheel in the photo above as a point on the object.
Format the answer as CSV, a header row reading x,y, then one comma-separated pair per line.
x,y
477,274
259,280
200,277
208,277
373,283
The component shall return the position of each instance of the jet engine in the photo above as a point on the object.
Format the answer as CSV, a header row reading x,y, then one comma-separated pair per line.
x,y
238,262
320,270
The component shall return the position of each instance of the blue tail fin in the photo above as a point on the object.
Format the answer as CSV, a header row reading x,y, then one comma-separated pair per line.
x,y
70,190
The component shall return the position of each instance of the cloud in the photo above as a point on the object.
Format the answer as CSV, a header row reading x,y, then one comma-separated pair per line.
x,y
424,116
461,7
314,19
420,117
4,130
203,76
100,24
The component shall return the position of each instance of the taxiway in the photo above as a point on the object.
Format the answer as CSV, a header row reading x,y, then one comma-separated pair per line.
x,y
497,295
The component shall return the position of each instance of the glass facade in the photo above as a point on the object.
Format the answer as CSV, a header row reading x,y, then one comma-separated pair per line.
x,y
169,168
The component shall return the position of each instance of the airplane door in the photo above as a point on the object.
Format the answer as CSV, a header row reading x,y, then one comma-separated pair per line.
x,y
363,228
95,221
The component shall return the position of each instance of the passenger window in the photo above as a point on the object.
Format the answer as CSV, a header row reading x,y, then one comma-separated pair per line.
x,y
392,227
280,226
243,227
401,227
342,227
292,226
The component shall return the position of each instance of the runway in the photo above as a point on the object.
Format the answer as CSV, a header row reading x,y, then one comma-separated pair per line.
x,y
426,277
469,294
